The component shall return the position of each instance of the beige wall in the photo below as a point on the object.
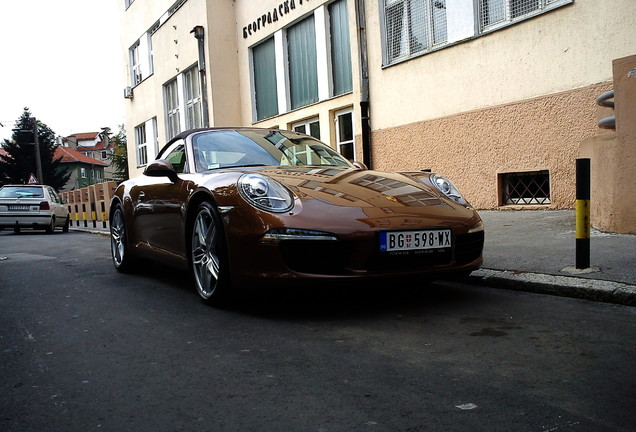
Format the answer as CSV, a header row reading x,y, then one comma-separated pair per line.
x,y
612,157
472,148
568,48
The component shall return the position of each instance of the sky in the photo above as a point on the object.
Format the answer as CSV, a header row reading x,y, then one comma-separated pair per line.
x,y
62,59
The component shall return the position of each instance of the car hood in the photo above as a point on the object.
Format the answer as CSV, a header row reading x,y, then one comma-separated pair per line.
x,y
357,188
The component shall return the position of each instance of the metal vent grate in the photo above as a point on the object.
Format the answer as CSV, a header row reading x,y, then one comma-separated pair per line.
x,y
523,188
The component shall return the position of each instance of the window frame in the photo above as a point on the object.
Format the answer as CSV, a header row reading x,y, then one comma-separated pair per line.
x,y
337,124
172,108
325,68
141,145
463,22
192,98
306,126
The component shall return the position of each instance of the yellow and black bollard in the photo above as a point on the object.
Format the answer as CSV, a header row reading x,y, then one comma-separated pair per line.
x,y
582,213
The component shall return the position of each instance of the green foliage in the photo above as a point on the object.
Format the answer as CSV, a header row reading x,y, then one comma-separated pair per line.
x,y
20,162
119,157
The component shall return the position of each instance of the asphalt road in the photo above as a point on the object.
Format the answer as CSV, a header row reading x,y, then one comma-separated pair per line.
x,y
87,349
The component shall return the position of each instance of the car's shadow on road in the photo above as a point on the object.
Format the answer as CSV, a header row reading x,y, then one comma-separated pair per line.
x,y
358,299
327,299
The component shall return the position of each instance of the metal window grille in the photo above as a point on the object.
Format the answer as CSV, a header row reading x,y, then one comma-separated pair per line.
x,y
496,12
413,26
524,188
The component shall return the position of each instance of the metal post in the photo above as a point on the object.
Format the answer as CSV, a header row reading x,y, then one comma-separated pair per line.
x,y
38,160
582,213
103,214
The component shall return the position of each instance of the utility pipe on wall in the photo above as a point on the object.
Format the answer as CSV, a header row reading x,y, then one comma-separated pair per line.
x,y
364,83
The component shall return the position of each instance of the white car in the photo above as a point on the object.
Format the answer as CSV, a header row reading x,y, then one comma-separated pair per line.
x,y
32,206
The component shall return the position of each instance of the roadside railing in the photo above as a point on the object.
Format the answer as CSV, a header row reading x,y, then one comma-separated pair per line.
x,y
607,100
90,204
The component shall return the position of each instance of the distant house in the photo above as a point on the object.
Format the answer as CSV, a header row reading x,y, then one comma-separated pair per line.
x,y
84,170
95,145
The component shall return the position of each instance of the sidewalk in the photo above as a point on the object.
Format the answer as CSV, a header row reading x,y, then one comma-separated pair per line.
x,y
529,250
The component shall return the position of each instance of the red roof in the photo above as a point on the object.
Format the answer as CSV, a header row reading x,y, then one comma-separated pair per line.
x,y
85,136
69,155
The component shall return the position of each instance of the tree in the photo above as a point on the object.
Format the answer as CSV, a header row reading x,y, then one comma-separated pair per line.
x,y
19,162
119,157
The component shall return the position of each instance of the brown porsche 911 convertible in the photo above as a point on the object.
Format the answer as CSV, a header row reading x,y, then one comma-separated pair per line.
x,y
244,204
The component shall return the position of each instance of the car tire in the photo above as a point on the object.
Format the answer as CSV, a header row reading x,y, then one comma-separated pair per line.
x,y
208,256
67,224
119,241
51,228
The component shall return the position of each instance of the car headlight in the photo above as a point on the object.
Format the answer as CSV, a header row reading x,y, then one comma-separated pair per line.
x,y
448,188
265,193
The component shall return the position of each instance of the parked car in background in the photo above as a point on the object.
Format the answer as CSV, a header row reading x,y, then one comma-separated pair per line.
x,y
246,204
32,206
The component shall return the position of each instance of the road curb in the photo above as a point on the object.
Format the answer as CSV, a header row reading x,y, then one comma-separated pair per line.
x,y
565,286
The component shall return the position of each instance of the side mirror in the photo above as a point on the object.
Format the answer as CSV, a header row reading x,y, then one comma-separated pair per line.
x,y
161,168
360,165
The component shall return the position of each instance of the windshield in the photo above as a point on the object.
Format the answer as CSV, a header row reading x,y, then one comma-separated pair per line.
x,y
21,192
239,148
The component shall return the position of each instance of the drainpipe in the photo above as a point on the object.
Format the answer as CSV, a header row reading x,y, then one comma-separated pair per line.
x,y
364,82
199,34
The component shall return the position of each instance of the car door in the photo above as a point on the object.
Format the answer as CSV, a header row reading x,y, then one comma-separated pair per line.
x,y
159,205
57,206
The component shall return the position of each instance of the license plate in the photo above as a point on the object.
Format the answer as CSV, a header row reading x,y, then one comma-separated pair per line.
x,y
18,207
415,240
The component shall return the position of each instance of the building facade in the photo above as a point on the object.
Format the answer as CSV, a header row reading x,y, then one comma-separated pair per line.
x,y
84,170
496,94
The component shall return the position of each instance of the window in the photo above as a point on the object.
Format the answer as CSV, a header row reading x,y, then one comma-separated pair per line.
x,y
308,127
192,92
265,89
176,155
525,188
141,144
128,3
303,68
140,57
344,134
171,103
304,63
494,12
104,155
413,26
83,172
135,65
340,48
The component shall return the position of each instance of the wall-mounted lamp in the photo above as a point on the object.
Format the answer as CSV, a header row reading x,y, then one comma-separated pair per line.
x,y
198,31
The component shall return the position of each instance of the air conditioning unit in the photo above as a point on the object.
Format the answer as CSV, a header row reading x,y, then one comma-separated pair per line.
x,y
128,93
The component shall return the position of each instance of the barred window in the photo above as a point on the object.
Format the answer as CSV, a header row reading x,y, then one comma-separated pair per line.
x,y
413,26
496,12
523,188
